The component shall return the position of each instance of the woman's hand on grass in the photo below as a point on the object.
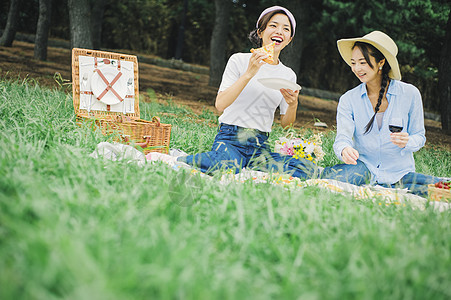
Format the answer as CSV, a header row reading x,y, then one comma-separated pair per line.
x,y
350,155
400,139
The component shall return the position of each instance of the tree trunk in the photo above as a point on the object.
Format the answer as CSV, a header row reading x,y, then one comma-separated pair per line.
x,y
444,80
9,33
181,35
292,54
218,41
80,24
98,9
42,31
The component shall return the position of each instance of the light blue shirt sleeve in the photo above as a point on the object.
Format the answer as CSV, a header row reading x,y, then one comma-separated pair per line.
x,y
345,126
415,127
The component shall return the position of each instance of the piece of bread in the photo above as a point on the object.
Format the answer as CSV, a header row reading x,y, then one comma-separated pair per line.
x,y
268,49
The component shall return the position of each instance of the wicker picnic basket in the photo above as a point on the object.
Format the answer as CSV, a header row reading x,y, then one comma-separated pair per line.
x,y
104,98
437,194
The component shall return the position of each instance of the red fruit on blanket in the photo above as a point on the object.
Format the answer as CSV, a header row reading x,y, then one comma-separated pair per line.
x,y
443,185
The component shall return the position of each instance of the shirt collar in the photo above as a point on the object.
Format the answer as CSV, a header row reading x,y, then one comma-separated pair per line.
x,y
393,88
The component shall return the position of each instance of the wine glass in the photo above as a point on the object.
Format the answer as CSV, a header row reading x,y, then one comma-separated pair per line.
x,y
395,125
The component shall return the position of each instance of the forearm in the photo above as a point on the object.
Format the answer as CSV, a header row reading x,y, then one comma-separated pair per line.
x,y
414,143
290,116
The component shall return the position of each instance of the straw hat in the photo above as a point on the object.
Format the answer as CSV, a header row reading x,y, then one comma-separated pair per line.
x,y
379,40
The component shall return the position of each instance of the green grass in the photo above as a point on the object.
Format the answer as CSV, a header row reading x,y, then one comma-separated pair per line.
x,y
73,227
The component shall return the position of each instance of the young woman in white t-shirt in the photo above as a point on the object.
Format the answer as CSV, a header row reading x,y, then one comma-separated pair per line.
x,y
248,109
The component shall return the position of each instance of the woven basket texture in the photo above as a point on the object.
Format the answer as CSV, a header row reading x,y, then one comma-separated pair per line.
x,y
125,128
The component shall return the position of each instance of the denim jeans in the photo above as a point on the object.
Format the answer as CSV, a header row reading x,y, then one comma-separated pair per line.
x,y
354,174
235,148
417,183
359,174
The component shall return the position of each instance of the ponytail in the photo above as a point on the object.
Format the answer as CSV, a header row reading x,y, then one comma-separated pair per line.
x,y
384,85
255,39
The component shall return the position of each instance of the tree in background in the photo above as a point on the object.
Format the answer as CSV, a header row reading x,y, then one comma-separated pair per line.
x,y
9,32
143,26
80,24
444,80
417,26
97,12
219,40
292,55
42,32
151,27
181,34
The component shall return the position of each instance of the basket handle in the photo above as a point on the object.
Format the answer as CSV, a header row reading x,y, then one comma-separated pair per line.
x,y
123,118
144,144
156,120
126,139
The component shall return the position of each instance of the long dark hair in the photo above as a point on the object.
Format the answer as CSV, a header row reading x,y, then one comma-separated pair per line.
x,y
367,50
253,35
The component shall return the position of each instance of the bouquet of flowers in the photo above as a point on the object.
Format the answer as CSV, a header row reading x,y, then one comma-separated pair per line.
x,y
299,147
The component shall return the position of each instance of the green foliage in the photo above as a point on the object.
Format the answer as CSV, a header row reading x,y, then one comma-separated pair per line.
x,y
417,27
74,227
146,27
153,26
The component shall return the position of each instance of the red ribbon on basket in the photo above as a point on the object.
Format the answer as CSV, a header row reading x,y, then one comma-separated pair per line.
x,y
109,85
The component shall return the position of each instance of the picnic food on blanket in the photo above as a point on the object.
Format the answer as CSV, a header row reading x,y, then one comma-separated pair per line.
x,y
443,185
269,50
440,191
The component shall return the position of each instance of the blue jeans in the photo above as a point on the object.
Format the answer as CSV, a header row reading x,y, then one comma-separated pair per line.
x,y
236,147
359,174
417,183
354,174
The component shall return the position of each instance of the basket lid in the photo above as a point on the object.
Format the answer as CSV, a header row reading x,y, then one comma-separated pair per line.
x,y
105,83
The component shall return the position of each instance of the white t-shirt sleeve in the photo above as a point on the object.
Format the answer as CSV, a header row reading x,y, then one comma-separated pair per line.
x,y
232,71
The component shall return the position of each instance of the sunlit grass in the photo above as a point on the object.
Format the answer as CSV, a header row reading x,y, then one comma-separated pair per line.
x,y
74,227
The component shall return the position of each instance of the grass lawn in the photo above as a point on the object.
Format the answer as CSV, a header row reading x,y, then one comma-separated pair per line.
x,y
74,227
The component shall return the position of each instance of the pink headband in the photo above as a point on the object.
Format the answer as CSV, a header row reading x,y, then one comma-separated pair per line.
x,y
274,8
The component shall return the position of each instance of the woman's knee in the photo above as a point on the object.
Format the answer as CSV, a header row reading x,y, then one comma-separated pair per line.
x,y
357,174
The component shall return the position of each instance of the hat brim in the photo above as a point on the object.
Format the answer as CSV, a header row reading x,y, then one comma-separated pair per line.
x,y
345,49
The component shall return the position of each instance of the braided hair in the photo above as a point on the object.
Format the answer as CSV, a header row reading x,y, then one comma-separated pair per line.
x,y
368,50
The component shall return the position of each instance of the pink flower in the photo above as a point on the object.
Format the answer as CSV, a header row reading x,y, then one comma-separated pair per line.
x,y
287,149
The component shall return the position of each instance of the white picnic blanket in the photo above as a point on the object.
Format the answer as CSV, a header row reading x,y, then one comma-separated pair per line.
x,y
377,194
119,152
